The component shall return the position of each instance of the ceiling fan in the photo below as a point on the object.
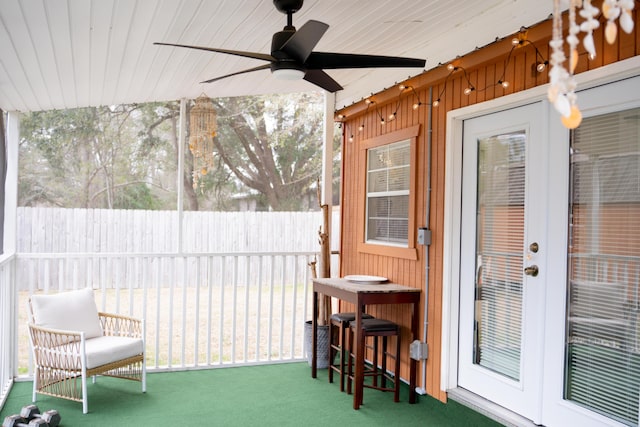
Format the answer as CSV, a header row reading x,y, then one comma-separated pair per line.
x,y
292,56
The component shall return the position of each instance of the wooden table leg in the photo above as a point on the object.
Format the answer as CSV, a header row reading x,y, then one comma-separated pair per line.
x,y
314,337
359,345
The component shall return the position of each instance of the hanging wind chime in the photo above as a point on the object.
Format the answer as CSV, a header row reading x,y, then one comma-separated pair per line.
x,y
561,92
203,128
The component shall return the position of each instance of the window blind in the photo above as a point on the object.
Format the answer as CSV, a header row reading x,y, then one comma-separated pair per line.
x,y
499,242
603,329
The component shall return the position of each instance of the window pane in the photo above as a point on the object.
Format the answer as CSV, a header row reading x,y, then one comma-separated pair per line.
x,y
499,242
603,335
388,219
388,183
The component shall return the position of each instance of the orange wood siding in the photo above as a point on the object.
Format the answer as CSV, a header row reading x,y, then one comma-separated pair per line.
x,y
484,67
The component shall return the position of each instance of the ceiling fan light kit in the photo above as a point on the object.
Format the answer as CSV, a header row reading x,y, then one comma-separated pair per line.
x,y
292,56
288,74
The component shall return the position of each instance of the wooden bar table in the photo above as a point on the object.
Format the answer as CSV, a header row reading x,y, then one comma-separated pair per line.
x,y
361,295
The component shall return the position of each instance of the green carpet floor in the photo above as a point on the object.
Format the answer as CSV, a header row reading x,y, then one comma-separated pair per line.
x,y
268,395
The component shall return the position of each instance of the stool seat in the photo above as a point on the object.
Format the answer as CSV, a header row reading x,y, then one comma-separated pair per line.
x,y
376,325
348,317
341,321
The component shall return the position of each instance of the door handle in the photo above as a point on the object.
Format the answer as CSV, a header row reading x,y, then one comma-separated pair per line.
x,y
532,270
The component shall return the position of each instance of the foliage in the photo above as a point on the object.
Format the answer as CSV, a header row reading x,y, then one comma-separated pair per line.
x,y
271,144
268,151
87,157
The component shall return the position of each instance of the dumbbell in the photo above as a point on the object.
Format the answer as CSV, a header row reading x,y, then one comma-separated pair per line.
x,y
31,413
16,420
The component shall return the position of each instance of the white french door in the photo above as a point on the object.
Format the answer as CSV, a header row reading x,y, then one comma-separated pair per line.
x,y
592,356
503,258
549,280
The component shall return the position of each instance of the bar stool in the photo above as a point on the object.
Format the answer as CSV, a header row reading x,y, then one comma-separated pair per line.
x,y
340,321
377,328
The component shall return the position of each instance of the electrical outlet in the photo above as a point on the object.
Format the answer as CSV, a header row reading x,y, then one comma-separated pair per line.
x,y
418,350
424,236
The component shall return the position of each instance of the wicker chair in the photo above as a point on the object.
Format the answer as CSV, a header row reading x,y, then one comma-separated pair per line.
x,y
72,341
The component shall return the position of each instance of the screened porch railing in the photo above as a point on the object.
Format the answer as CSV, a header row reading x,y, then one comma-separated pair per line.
x,y
201,309
7,326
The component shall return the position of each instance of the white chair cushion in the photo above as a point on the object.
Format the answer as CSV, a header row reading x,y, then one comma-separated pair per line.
x,y
103,350
70,311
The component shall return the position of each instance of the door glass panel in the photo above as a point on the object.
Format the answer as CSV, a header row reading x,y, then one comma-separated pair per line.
x,y
499,248
602,369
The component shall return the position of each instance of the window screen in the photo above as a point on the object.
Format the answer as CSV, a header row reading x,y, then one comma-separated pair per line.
x,y
388,183
603,329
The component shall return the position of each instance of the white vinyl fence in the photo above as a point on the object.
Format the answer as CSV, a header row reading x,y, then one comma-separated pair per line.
x,y
54,230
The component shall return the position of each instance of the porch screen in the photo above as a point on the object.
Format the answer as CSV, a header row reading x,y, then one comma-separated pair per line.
x,y
603,336
388,184
499,242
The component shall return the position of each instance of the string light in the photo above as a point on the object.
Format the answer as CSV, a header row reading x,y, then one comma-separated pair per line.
x,y
561,92
418,102
470,88
368,102
516,42
451,69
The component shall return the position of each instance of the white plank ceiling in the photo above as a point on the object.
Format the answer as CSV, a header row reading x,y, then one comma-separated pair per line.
x,y
58,54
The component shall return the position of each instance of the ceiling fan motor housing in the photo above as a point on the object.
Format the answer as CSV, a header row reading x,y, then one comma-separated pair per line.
x,y
278,40
288,6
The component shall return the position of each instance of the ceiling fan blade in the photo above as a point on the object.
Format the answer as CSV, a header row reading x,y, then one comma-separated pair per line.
x,y
323,80
302,42
253,55
261,67
326,60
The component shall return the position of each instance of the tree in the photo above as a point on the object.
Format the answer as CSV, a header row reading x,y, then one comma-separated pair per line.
x,y
88,157
126,156
272,144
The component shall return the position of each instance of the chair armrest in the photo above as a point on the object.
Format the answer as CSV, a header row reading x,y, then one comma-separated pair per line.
x,y
121,326
56,348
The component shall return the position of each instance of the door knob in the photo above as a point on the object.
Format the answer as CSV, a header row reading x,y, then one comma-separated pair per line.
x,y
532,270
